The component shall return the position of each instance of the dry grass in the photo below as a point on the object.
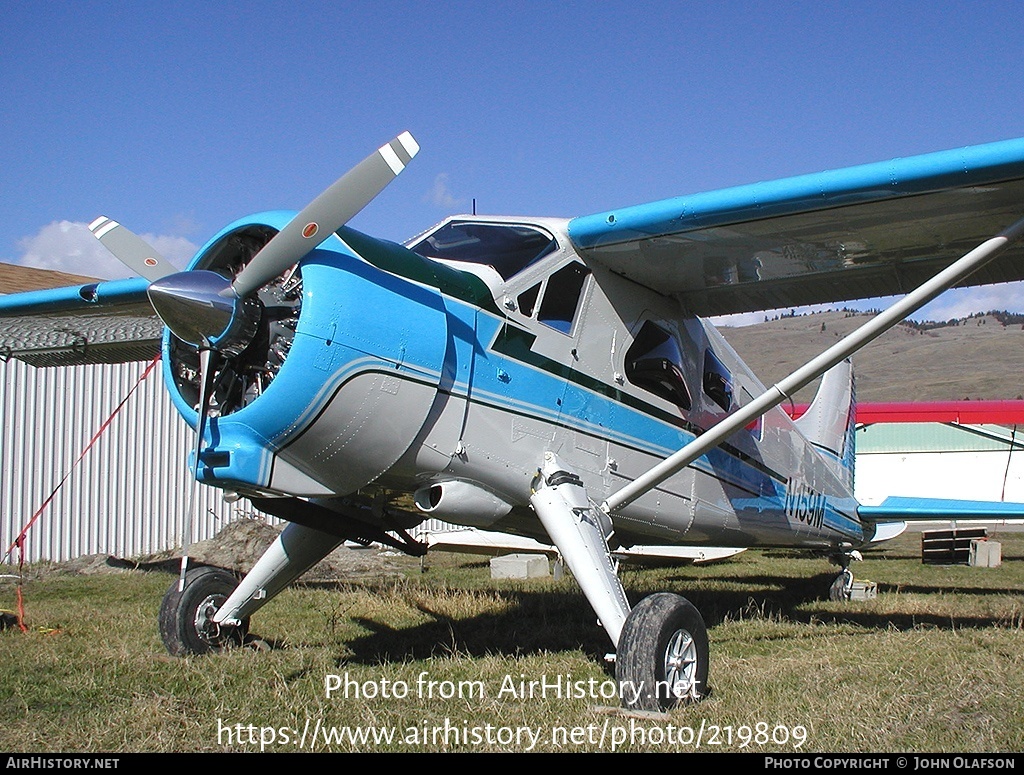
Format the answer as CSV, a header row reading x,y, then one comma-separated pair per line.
x,y
934,664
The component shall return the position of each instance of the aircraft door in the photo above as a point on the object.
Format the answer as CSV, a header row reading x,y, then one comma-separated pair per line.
x,y
585,409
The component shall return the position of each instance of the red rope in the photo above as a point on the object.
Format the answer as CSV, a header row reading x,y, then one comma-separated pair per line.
x,y
21,581
19,542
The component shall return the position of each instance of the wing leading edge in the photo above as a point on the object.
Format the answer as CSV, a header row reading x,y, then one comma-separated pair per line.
x,y
861,232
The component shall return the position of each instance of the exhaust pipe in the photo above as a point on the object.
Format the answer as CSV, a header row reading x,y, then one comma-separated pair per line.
x,y
463,503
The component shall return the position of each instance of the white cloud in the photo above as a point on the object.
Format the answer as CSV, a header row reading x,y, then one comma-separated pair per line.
x,y
440,195
962,302
178,250
68,246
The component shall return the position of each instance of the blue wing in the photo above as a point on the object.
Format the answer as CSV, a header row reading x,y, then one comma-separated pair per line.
x,y
107,322
860,232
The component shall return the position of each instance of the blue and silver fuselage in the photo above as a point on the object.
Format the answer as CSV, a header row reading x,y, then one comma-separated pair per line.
x,y
407,372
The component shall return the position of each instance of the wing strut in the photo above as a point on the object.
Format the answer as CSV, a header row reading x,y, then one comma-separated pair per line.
x,y
813,369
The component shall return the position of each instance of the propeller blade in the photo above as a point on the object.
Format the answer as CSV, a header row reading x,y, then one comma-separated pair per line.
x,y
327,213
130,249
206,370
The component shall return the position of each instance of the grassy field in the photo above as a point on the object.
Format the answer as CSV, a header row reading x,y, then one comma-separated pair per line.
x,y
444,659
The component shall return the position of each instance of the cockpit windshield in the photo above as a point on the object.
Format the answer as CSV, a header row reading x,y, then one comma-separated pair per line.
x,y
508,248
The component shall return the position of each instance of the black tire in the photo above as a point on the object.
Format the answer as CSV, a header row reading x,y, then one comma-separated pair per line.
x,y
185,624
662,657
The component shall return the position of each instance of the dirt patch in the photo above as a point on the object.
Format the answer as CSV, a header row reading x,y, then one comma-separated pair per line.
x,y
237,547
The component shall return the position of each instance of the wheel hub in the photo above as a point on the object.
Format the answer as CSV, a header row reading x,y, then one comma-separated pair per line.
x,y
681,665
207,629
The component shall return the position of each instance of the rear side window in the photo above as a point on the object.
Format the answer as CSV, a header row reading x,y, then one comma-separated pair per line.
x,y
655,363
717,381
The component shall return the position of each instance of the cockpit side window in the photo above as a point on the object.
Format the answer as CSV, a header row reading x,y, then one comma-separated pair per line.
x,y
508,248
717,381
655,363
562,296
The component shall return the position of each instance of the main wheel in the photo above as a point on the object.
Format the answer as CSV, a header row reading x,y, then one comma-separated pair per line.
x,y
186,617
662,657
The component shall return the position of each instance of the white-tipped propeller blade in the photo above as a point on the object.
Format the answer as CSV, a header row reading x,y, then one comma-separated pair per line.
x,y
133,251
328,212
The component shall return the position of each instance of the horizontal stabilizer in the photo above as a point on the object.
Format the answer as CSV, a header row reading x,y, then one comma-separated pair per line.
x,y
904,509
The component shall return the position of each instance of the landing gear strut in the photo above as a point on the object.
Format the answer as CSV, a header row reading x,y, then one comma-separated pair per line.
x,y
662,644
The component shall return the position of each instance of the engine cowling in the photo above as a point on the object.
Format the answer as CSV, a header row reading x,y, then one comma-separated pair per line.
x,y
336,382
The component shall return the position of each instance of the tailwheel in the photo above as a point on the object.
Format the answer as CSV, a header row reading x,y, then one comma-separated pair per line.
x,y
662,656
186,616
841,587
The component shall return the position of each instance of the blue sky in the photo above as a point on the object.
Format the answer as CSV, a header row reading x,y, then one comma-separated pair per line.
x,y
176,118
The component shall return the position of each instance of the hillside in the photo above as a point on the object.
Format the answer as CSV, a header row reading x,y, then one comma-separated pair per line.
x,y
978,358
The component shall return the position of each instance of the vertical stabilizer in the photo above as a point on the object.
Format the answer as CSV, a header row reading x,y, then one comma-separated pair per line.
x,y
829,422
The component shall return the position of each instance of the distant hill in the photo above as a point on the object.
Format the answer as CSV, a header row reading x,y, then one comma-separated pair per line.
x,y
980,357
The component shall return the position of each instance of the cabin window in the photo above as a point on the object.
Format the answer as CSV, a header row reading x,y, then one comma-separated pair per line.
x,y
717,381
527,299
508,248
562,297
655,363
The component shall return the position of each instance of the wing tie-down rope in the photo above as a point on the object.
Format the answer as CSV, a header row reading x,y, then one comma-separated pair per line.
x,y
19,542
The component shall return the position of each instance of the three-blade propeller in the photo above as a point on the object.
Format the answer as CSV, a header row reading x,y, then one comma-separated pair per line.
x,y
207,310
220,316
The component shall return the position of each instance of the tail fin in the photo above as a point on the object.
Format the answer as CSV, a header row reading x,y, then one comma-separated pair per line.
x,y
830,421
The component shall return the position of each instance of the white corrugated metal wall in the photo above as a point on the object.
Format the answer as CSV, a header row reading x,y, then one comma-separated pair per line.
x,y
128,496
938,460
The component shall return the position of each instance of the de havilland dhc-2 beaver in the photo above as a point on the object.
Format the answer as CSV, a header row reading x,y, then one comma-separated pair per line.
x,y
551,378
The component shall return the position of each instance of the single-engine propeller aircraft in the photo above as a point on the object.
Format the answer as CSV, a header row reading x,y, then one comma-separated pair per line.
x,y
544,377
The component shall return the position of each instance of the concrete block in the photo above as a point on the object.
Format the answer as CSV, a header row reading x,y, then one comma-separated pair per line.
x,y
986,554
519,566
